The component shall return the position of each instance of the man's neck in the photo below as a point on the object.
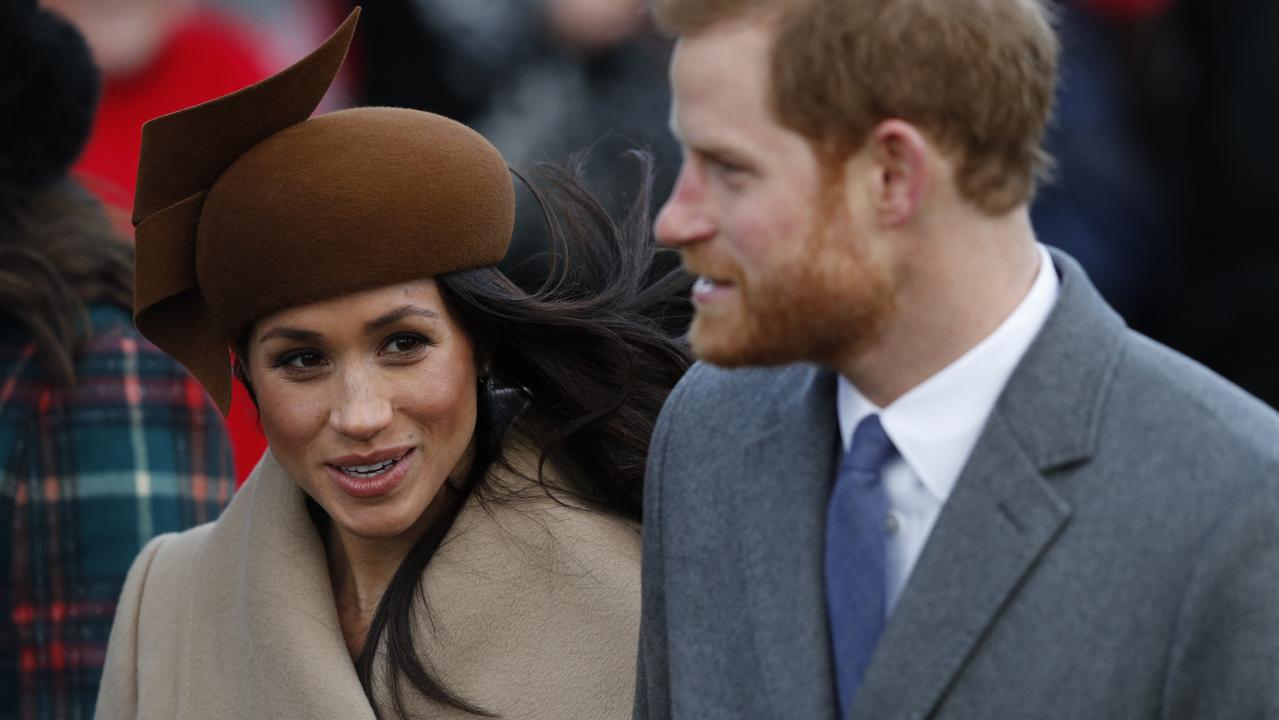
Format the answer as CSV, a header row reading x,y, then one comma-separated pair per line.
x,y
955,290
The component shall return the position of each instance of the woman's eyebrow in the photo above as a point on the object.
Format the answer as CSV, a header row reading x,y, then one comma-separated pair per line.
x,y
399,314
289,333
378,323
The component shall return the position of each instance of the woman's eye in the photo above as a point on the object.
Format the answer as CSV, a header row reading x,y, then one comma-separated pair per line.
x,y
302,360
405,344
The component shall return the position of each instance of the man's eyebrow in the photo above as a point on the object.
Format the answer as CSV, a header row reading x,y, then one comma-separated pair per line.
x,y
712,150
720,154
397,314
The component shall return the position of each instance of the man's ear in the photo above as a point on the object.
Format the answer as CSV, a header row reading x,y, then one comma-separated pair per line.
x,y
898,157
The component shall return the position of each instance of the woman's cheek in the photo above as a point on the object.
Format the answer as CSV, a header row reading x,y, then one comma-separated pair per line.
x,y
293,417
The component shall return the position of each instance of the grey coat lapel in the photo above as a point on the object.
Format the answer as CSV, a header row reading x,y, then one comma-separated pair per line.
x,y
1003,514
1001,517
789,465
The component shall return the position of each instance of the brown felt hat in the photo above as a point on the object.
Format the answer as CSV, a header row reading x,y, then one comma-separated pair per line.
x,y
245,207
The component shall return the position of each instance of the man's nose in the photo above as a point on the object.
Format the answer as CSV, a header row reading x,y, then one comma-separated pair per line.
x,y
686,216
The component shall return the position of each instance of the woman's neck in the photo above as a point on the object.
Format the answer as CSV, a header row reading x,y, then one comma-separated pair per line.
x,y
361,569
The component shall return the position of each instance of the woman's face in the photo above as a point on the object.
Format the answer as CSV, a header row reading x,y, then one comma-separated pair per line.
x,y
368,401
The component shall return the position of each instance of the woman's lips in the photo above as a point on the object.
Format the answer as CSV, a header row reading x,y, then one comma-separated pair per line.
x,y
372,485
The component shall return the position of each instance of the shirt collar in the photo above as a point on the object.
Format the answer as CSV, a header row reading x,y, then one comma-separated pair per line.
x,y
936,424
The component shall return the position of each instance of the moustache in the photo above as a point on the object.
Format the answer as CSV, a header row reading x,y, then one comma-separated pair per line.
x,y
711,267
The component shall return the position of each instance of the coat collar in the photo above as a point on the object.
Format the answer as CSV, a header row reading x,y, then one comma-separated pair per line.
x,y
1004,514
1055,397
790,462
272,622
530,579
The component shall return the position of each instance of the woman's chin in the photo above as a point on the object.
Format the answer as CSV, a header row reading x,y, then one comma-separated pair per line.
x,y
388,521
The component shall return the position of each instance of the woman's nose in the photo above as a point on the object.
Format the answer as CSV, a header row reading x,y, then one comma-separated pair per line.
x,y
362,411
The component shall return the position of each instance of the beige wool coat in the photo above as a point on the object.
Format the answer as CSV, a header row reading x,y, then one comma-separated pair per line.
x,y
534,613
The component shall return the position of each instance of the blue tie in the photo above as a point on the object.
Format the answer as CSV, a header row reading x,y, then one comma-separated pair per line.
x,y
856,526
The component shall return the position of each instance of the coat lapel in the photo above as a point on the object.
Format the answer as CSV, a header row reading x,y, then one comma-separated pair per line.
x,y
275,645
789,465
1001,517
1003,514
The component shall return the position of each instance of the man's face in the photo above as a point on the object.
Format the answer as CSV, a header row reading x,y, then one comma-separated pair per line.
x,y
787,272
124,35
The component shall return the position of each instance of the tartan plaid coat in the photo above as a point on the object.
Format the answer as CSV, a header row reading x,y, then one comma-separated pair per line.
x,y
87,477
531,611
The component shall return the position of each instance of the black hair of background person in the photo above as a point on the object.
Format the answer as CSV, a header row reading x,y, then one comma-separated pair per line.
x,y
1231,301
1208,103
1104,204
58,253
48,98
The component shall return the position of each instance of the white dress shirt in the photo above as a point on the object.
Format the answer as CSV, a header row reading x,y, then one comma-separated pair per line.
x,y
935,425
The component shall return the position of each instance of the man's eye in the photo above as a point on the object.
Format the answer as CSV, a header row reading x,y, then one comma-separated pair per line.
x,y
726,172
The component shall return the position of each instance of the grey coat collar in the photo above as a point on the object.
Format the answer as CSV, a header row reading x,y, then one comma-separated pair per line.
x,y
1002,516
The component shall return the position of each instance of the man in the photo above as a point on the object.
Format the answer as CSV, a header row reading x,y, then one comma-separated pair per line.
x,y
924,470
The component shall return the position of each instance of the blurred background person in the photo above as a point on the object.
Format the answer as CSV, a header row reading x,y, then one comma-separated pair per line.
x,y
543,79
1106,204
1167,150
105,441
1213,108
157,57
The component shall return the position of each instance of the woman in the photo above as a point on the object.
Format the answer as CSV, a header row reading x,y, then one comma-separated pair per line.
x,y
105,441
397,553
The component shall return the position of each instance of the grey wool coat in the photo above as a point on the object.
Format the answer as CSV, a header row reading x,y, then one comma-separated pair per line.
x,y
1110,550
534,611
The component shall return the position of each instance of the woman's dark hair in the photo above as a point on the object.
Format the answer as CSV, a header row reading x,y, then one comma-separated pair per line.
x,y
582,364
586,357
58,255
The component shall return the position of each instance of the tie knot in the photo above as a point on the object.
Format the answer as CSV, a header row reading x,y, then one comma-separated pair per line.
x,y
871,447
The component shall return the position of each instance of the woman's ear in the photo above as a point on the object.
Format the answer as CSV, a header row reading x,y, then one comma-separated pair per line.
x,y
241,373
483,355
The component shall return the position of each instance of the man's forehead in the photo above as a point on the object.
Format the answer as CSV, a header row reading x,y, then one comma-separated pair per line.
x,y
727,41
719,76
